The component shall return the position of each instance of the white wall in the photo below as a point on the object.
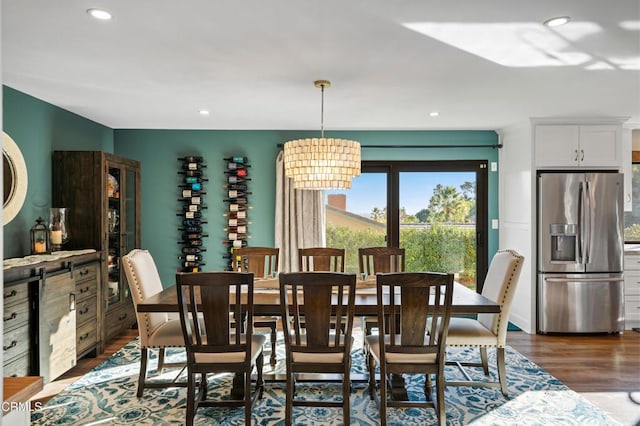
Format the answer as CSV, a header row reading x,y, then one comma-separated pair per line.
x,y
517,218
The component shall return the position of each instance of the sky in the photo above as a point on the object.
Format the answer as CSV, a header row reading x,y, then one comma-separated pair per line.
x,y
416,188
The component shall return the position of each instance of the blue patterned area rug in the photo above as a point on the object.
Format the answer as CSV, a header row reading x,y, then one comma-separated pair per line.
x,y
107,395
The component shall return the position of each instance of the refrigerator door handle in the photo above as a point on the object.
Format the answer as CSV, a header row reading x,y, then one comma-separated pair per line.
x,y
589,223
580,239
582,280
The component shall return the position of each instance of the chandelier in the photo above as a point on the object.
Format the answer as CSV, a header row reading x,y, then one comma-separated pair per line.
x,y
321,163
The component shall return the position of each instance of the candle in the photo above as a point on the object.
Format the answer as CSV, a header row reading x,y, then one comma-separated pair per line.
x,y
40,247
56,237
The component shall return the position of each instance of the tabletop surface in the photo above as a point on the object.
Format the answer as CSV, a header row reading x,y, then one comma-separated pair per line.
x,y
267,299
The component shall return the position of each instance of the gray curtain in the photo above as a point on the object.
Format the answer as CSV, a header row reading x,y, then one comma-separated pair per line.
x,y
299,219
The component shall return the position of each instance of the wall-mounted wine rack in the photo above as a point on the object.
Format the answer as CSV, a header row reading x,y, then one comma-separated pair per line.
x,y
191,228
237,194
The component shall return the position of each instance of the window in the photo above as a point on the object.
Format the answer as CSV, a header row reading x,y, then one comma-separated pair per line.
x,y
436,210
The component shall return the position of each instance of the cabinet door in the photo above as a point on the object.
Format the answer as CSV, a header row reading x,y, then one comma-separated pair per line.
x,y
57,328
600,146
556,146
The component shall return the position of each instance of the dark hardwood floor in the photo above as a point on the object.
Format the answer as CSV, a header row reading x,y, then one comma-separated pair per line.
x,y
590,363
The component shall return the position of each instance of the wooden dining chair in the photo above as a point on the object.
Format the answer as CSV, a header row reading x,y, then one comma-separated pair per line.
x,y
407,345
489,330
215,342
373,260
318,347
157,330
321,259
261,262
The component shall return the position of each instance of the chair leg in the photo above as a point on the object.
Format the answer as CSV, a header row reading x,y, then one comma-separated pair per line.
x,y
274,337
288,411
204,386
260,380
502,371
428,388
441,411
346,395
383,399
247,398
372,376
485,360
160,360
191,398
144,353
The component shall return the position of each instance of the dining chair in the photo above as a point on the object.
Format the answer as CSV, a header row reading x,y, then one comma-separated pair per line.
x,y
157,330
373,260
321,259
215,343
489,330
325,299
261,262
407,345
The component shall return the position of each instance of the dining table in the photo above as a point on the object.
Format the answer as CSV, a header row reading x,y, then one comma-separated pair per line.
x,y
266,301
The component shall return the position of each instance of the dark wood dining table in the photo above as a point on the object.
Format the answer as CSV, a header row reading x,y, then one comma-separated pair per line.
x,y
266,299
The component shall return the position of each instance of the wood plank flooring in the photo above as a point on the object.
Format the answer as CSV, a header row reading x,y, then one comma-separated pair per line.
x,y
591,363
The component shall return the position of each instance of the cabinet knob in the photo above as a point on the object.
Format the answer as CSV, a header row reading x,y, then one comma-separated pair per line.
x,y
575,151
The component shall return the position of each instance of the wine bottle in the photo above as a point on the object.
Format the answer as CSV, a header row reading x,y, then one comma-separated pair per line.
x,y
187,193
193,222
190,264
191,159
190,215
191,257
235,200
193,235
191,200
242,229
195,179
236,159
237,236
234,207
237,179
235,186
193,250
234,193
236,215
193,207
239,172
233,222
193,166
237,166
191,242
190,172
236,243
190,228
192,186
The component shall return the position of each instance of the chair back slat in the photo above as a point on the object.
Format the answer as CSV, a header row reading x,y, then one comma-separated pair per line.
x,y
260,261
319,259
409,299
206,301
315,299
373,260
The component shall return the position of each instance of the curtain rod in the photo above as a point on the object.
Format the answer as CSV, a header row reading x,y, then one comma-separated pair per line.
x,y
499,145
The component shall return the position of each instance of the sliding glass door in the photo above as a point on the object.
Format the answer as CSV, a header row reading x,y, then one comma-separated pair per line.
x,y
436,210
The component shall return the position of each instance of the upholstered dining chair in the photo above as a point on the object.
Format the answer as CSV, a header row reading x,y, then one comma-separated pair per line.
x,y
321,259
157,330
320,346
261,262
214,341
409,344
373,260
489,330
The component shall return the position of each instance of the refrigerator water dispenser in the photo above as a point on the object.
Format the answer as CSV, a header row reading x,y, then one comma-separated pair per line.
x,y
563,242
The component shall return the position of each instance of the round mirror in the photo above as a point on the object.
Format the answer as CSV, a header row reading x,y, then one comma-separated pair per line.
x,y
14,174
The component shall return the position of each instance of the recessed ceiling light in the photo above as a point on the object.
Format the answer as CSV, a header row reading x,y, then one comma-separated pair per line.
x,y
434,114
203,112
103,15
557,21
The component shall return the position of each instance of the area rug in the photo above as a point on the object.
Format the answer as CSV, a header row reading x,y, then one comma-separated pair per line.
x,y
107,395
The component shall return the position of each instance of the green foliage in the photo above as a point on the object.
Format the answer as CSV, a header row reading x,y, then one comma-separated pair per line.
x,y
448,205
632,233
439,248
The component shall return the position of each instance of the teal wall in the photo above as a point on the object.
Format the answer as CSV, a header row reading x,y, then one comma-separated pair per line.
x,y
39,128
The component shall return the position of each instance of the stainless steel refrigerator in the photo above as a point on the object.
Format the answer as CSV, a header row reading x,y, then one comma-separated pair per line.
x,y
580,253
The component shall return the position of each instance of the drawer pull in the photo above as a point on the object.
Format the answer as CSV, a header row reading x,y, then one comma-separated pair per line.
x,y
84,336
84,290
13,344
10,317
83,273
13,293
121,317
84,311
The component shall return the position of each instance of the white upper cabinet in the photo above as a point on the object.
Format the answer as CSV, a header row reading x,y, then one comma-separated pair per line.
x,y
571,146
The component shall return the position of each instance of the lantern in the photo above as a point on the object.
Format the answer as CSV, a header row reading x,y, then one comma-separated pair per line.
x,y
39,237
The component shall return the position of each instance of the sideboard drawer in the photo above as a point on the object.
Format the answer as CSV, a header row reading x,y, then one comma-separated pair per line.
x,y
18,367
86,337
86,311
15,315
16,343
16,294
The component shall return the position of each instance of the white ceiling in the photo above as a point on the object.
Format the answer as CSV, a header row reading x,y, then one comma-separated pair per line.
x,y
252,63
